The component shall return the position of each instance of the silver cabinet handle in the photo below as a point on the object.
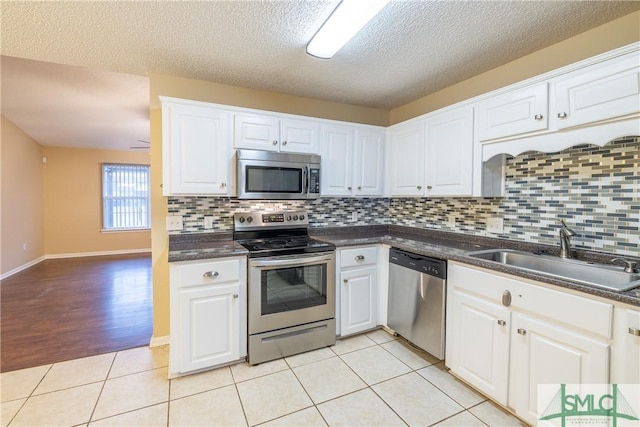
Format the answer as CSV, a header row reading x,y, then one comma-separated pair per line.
x,y
506,298
501,322
359,188
284,142
522,331
223,184
345,280
634,331
419,187
235,296
359,257
275,142
349,188
429,187
538,117
562,115
210,274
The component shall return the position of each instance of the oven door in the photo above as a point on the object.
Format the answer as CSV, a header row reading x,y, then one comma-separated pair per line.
x,y
290,290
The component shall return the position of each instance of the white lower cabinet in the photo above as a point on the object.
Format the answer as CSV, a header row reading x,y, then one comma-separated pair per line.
x,y
358,289
478,343
208,314
506,336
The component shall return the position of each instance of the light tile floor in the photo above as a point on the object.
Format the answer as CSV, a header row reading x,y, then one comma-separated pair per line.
x,y
367,380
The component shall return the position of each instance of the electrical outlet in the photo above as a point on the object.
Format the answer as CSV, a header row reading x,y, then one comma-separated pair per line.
x,y
354,216
451,220
495,225
208,222
174,223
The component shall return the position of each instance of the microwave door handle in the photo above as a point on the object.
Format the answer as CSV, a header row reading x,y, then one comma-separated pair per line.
x,y
305,179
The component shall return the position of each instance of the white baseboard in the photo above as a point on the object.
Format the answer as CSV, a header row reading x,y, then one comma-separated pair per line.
x,y
158,341
22,267
103,253
71,255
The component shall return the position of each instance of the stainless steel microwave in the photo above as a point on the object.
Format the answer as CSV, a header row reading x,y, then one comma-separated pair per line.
x,y
269,175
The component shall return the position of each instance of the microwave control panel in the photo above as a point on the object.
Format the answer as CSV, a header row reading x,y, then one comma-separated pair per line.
x,y
314,181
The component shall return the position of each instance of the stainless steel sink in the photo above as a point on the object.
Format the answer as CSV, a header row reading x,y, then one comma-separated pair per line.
x,y
601,275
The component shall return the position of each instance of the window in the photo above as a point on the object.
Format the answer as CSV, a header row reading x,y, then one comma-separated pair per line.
x,y
125,197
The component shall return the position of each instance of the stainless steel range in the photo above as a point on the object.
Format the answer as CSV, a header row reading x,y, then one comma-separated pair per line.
x,y
291,285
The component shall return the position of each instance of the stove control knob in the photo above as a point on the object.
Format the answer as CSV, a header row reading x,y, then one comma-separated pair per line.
x,y
250,219
295,217
241,219
289,218
301,217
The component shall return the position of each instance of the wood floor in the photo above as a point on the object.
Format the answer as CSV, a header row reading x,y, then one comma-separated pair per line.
x,y
65,309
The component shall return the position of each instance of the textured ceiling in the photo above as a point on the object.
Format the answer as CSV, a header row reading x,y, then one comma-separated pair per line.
x,y
411,49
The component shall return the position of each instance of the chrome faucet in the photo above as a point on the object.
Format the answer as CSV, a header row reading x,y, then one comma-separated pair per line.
x,y
565,243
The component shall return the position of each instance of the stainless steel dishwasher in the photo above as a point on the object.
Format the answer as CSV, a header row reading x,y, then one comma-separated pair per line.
x,y
417,295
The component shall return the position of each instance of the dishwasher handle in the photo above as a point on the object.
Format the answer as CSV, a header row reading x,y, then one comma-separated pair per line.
x,y
426,265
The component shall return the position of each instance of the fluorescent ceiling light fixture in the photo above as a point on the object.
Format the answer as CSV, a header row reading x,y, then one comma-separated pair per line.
x,y
345,21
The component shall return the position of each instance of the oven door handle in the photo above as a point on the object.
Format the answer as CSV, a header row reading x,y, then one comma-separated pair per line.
x,y
294,261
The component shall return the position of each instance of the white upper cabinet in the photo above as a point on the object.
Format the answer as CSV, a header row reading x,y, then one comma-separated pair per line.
x,y
352,162
513,113
368,163
599,92
263,132
337,160
196,151
450,153
406,151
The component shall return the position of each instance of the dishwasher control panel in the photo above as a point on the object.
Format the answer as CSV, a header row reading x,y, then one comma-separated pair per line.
x,y
431,266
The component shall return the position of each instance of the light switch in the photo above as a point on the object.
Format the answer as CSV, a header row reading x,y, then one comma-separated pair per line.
x,y
174,223
495,225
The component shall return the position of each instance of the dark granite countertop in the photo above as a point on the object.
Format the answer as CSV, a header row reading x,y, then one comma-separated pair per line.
x,y
434,243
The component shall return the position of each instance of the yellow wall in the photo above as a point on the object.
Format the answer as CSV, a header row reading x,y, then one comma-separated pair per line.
x,y
618,33
22,195
73,205
599,40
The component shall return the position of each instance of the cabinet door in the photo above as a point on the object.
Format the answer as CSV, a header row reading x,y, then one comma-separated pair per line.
x,y
210,326
256,132
450,153
625,354
545,353
299,136
368,166
358,300
599,92
337,160
478,343
407,149
519,111
196,155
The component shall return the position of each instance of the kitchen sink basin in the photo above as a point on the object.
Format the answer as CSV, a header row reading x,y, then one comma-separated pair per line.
x,y
600,275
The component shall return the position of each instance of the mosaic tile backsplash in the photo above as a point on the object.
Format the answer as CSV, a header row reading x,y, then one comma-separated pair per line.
x,y
596,190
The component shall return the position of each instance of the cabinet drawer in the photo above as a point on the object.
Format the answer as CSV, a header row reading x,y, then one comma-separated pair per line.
x,y
209,273
556,305
366,255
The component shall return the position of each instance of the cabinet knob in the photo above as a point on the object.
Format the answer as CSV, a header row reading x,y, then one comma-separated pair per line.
x,y
284,142
274,142
429,187
345,280
522,331
506,298
562,115
349,188
360,258
359,188
501,322
223,184
634,331
538,117
419,187
210,274
235,296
